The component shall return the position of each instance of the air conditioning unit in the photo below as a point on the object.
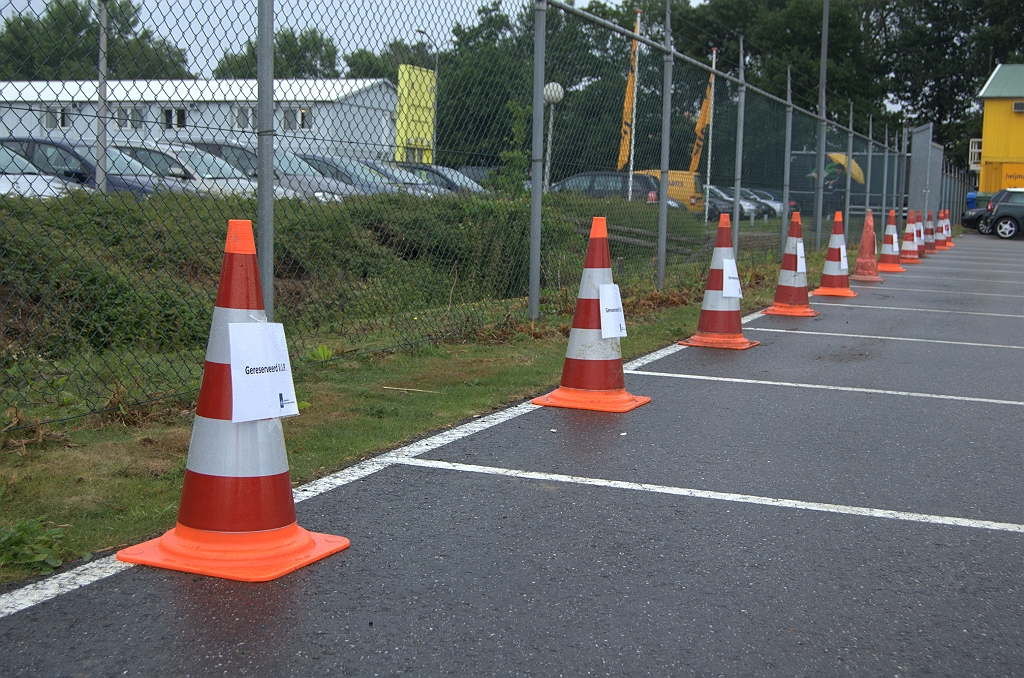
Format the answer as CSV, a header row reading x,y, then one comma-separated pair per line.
x,y
1018,106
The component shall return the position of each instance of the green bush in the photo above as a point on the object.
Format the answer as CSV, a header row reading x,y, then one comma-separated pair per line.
x,y
32,544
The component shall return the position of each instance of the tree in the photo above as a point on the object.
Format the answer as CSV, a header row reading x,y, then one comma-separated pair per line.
x,y
363,63
63,43
308,54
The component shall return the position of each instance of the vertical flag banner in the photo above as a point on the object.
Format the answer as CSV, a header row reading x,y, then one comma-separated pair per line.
x,y
629,105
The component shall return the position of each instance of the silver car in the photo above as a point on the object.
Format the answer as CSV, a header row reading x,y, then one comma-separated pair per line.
x,y
192,169
21,179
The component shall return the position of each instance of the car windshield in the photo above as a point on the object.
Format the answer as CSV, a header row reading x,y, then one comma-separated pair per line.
x,y
399,174
117,162
764,195
722,192
289,163
458,178
12,163
208,166
360,171
748,194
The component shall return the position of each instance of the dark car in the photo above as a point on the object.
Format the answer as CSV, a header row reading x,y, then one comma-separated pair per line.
x,y
366,179
612,185
1007,213
973,217
77,163
444,177
404,178
290,171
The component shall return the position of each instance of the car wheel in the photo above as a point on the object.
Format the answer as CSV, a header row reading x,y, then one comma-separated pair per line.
x,y
984,227
1006,227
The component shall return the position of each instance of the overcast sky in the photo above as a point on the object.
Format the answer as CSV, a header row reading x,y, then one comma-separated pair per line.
x,y
207,29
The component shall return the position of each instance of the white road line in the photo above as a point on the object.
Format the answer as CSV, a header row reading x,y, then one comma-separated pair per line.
x,y
721,496
51,587
872,336
944,292
675,348
827,387
651,357
946,277
365,468
922,310
977,270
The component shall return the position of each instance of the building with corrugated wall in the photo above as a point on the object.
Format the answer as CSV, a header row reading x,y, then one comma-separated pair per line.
x,y
1002,136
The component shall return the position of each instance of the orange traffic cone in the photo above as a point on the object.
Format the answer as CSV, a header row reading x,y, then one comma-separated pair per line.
x,y
889,261
835,278
791,292
720,325
940,231
867,269
949,230
922,247
236,519
929,233
592,376
909,253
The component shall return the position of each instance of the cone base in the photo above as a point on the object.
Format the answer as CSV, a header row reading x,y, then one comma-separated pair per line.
x,y
891,268
833,292
793,310
612,400
909,261
867,278
949,244
241,556
736,342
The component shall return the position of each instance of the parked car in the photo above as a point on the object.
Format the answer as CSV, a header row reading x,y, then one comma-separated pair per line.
x,y
479,173
774,200
21,179
77,163
365,179
404,179
767,208
747,207
444,177
290,171
973,217
1007,214
613,185
717,206
195,170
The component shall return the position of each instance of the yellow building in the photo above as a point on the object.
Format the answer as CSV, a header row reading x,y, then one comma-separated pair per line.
x,y
414,127
1002,135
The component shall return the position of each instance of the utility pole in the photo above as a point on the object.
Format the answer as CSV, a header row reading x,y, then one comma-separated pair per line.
x,y
823,131
101,108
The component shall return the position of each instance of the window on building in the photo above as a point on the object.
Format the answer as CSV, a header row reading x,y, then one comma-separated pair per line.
x,y
245,117
296,119
57,118
129,117
174,117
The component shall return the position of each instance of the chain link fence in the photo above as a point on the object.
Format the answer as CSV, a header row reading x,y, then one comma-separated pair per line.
x,y
392,172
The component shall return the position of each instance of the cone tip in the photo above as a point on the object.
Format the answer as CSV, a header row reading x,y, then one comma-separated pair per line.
x,y
599,228
240,239
724,221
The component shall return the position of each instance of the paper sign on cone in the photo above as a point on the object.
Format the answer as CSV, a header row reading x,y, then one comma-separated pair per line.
x,y
613,320
261,373
731,280
801,258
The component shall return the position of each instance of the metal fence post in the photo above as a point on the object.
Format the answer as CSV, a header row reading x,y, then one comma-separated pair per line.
x,y
265,150
739,156
885,177
711,130
871,148
101,104
849,176
666,117
540,17
788,157
819,196
902,175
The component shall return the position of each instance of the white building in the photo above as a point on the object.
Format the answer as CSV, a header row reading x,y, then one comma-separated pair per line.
x,y
329,117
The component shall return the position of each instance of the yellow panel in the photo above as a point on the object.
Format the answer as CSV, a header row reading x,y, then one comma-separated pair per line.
x,y
414,127
1013,175
1002,132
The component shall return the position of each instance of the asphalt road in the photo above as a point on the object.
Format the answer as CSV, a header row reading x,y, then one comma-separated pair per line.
x,y
845,498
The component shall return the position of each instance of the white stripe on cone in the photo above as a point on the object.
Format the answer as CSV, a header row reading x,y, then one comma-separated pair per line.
x,y
592,278
713,299
836,242
245,450
218,348
890,246
588,345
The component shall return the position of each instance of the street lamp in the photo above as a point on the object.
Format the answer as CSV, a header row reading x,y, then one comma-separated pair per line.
x,y
437,69
553,94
